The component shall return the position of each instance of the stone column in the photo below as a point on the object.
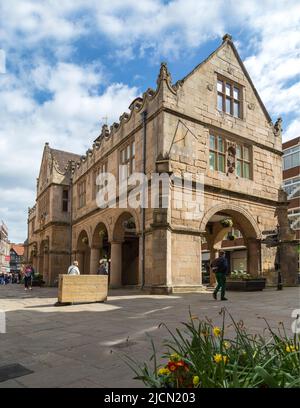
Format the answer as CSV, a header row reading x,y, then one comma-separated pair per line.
x,y
94,260
140,266
116,264
253,257
46,276
40,261
289,258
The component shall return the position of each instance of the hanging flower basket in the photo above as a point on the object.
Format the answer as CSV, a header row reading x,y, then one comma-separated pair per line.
x,y
129,224
84,240
226,222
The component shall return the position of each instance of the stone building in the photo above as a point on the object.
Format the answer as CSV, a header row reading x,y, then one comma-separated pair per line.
x,y
49,221
212,125
4,249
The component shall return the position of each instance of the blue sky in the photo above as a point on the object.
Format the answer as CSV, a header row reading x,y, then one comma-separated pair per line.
x,y
71,63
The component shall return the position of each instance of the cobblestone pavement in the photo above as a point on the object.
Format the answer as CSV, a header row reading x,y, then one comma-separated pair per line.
x,y
82,345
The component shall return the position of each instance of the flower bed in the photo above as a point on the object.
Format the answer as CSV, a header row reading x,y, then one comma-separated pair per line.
x,y
204,356
242,281
249,285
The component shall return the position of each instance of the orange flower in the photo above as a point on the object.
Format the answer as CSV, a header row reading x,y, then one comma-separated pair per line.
x,y
172,366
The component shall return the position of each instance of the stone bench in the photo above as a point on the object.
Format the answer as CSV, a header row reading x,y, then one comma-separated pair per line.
x,y
82,288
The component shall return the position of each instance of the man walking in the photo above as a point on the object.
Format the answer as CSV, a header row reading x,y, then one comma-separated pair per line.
x,y
73,269
220,267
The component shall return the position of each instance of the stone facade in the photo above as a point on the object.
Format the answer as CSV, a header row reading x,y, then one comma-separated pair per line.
x,y
161,247
49,231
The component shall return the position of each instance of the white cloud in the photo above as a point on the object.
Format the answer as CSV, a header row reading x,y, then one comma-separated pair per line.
x,y
74,107
70,118
274,64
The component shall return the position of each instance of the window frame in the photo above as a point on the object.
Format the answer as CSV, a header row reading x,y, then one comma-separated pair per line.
x,y
123,156
230,97
65,200
217,152
100,169
243,161
81,191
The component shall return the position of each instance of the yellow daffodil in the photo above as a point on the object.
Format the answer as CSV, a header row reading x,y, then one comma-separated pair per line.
x,y
290,348
196,380
163,371
219,357
227,345
174,357
217,331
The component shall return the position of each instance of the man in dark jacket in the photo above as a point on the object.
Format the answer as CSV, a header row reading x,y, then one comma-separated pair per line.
x,y
220,267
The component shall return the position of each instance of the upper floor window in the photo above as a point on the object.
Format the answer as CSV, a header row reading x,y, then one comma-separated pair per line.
x,y
216,153
229,97
99,170
65,199
242,161
291,158
81,194
229,157
127,157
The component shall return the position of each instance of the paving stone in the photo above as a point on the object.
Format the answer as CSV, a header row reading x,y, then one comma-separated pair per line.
x,y
84,346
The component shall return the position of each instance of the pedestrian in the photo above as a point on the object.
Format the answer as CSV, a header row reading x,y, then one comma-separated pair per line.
x,y
220,268
28,275
73,269
102,270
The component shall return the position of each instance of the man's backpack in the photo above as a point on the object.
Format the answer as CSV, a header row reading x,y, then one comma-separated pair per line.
x,y
215,265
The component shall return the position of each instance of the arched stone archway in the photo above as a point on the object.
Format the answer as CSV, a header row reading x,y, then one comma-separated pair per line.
x,y
83,252
242,221
125,251
243,218
100,247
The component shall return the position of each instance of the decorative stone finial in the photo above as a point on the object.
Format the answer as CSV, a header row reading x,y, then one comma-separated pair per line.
x,y
164,73
104,131
227,37
278,127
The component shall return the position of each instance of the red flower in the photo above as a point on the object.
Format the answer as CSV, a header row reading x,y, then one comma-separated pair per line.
x,y
172,366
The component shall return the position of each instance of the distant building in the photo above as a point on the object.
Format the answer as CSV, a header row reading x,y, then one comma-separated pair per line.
x,y
4,249
291,181
16,257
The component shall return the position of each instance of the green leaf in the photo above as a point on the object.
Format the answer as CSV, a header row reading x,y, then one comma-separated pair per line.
x,y
268,379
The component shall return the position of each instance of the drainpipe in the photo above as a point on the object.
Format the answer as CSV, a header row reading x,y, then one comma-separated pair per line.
x,y
71,217
144,143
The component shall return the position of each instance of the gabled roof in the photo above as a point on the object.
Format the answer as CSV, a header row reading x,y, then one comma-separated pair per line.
x,y
62,158
18,248
227,39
